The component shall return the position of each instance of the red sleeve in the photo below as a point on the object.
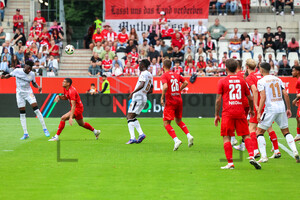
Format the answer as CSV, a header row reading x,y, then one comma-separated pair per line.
x,y
35,19
93,37
249,81
220,87
44,20
72,95
181,79
164,79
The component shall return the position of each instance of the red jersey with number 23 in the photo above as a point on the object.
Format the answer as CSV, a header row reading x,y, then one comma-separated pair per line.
x,y
233,90
173,94
72,94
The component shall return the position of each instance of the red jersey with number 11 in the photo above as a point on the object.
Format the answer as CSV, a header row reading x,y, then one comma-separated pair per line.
x,y
72,94
233,90
173,94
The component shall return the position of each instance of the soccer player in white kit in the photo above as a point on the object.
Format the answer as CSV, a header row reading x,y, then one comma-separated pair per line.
x,y
139,100
272,92
24,93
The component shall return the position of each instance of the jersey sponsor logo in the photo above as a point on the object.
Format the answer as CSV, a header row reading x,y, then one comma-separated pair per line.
x,y
235,103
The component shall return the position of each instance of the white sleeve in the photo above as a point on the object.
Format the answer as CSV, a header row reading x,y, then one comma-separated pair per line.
x,y
281,84
142,77
260,86
13,73
33,78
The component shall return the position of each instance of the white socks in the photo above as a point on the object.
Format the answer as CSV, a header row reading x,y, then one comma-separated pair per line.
x,y
138,127
188,135
232,138
175,139
262,146
290,140
23,122
41,118
131,130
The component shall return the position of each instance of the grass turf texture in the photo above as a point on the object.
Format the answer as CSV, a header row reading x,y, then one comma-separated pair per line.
x,y
109,169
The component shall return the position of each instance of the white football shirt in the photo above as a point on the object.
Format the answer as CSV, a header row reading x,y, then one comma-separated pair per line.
x,y
273,87
146,77
23,80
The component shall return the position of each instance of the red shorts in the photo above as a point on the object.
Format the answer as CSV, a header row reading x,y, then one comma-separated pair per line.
x,y
229,125
171,111
78,114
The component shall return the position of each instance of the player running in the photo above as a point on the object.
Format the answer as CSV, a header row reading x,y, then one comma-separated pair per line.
x,y
139,100
271,91
252,80
76,111
232,89
24,93
296,74
172,101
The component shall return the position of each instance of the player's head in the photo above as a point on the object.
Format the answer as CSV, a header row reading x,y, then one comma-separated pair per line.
x,y
231,65
296,71
28,66
167,65
250,64
265,68
104,77
67,82
144,64
93,85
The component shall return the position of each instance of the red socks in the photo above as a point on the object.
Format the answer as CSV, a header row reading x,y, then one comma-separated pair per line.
x,y
170,130
274,140
249,147
298,130
254,140
228,152
183,127
88,126
61,126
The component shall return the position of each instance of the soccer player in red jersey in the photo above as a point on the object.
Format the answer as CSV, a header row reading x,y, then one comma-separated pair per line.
x,y
296,74
252,80
172,101
232,89
76,111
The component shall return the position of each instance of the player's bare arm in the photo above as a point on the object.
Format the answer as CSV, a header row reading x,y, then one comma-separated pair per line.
x,y
261,104
36,86
73,103
287,102
164,90
137,89
184,84
251,105
296,100
255,95
217,108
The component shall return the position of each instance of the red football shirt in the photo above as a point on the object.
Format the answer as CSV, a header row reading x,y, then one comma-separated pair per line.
x,y
177,43
233,90
40,20
106,64
44,38
173,94
122,37
38,30
18,24
252,79
128,71
72,94
245,100
104,33
177,71
55,48
97,37
190,71
201,65
186,31
135,56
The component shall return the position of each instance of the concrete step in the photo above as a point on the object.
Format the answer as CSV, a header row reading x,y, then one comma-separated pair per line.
x,y
73,65
75,59
72,73
71,62
82,67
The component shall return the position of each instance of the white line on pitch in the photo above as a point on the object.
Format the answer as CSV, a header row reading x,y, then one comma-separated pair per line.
x,y
286,149
7,150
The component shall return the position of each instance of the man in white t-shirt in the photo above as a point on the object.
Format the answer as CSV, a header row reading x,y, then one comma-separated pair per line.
x,y
272,91
247,46
24,93
199,30
139,100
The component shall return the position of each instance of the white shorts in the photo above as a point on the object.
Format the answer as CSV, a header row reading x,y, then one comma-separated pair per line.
x,y
22,97
267,120
136,107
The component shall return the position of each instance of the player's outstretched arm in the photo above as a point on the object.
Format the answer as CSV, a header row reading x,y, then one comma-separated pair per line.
x,y
217,108
287,102
163,94
261,104
60,97
184,84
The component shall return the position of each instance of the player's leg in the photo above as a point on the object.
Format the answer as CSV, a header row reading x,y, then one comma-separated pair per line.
x,y
130,121
171,132
61,126
274,140
80,122
252,129
227,130
136,122
21,102
297,138
39,115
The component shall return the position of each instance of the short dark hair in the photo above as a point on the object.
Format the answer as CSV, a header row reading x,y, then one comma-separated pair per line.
x,y
297,68
167,63
170,49
240,64
231,65
266,66
177,61
279,27
93,84
69,81
103,75
29,63
145,63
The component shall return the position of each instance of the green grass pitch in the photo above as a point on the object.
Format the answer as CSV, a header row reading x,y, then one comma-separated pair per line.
x,y
109,169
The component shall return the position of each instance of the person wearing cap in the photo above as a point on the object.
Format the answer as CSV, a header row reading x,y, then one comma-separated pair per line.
x,y
2,7
18,21
105,85
106,27
162,21
40,20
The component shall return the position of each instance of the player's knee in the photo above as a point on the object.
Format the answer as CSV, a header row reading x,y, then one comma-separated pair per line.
x,y
22,111
35,108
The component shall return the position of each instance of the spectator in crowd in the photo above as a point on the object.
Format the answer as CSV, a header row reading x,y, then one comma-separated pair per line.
x,y
234,45
210,69
178,42
95,59
169,54
285,69
212,60
257,38
162,21
130,60
36,29
235,33
33,48
2,7
134,34
244,36
268,34
189,69
4,65
177,55
167,32
281,61
281,4
221,4
270,58
188,54
186,30
28,42
212,6
18,21
155,68
92,90
108,52
280,33
136,42
144,37
291,4
164,48
116,60
98,48
201,53
280,45
177,68
143,55
128,70
247,46
144,46
56,26
41,22
293,46
157,46
122,38
173,36
210,46
246,9
201,64
38,68
7,46
269,45
191,46
153,31
134,54
153,54
130,46
259,59
189,59
296,63
199,31
18,37
222,67
52,65
34,35
57,37
15,63
217,31
105,30
7,55
54,50
44,37
117,70
97,37
94,70
107,65
2,36
274,69
111,36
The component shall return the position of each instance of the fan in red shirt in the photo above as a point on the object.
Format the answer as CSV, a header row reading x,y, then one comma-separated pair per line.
x,y
167,32
45,37
40,20
296,74
18,21
178,42
35,29
189,69
134,55
177,69
111,36
53,49
107,64
246,9
76,111
252,80
105,30
162,21
97,37
186,30
172,101
233,89
128,69
123,37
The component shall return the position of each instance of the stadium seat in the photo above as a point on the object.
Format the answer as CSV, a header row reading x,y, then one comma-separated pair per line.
x,y
223,44
246,55
267,55
293,56
279,55
265,3
7,36
221,52
254,3
120,55
258,49
168,42
123,62
238,57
